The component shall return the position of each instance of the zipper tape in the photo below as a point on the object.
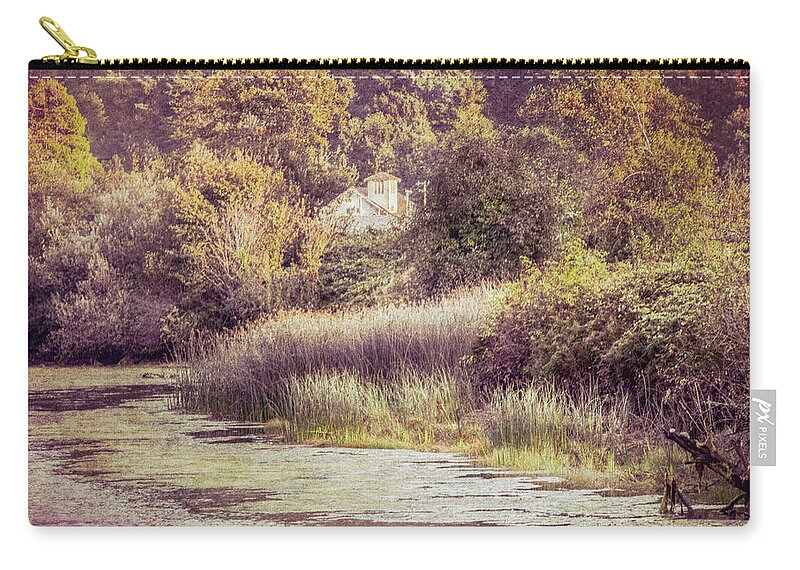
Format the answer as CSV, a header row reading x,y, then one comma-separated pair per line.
x,y
390,63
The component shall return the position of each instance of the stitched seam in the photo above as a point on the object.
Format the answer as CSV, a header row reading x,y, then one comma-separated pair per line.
x,y
395,77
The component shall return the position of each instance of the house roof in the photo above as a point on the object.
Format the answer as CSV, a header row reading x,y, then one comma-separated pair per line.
x,y
402,200
380,177
375,215
362,192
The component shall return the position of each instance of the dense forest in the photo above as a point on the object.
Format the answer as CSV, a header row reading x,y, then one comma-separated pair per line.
x,y
610,215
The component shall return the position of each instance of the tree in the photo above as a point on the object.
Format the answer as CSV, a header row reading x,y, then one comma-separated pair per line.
x,y
59,160
124,114
247,245
490,204
60,169
399,117
716,102
395,135
283,121
645,148
446,93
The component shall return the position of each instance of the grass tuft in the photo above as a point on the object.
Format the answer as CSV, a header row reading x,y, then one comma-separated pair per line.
x,y
401,376
244,374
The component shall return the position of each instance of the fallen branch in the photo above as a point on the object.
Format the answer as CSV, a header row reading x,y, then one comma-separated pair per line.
x,y
728,509
705,455
673,496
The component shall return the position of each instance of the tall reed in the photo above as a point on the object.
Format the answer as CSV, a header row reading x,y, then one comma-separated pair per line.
x,y
543,427
399,376
342,408
244,374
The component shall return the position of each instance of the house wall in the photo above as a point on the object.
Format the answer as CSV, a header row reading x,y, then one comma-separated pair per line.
x,y
360,213
376,191
347,206
391,193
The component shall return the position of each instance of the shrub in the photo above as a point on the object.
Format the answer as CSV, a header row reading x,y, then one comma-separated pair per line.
x,y
359,270
553,322
671,334
102,320
98,284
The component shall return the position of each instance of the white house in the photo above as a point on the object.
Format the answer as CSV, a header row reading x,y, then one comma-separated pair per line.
x,y
378,204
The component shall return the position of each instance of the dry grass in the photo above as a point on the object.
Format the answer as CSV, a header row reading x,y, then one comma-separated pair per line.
x,y
543,419
542,429
244,374
399,376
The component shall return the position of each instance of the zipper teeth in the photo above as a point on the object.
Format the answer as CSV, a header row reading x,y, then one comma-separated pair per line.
x,y
392,63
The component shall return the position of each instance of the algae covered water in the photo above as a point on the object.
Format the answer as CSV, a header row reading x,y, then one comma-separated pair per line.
x,y
105,448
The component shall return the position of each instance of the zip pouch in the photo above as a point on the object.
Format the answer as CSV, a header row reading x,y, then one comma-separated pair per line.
x,y
388,292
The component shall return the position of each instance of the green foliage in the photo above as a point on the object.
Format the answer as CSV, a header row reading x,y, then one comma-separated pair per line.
x,y
644,146
688,340
617,209
97,284
132,213
360,270
127,113
282,121
662,331
103,319
397,124
60,167
58,152
550,323
489,205
717,104
445,94
394,136
247,247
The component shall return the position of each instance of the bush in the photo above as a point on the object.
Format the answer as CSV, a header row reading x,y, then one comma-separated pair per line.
x,y
552,322
359,270
670,334
98,284
103,321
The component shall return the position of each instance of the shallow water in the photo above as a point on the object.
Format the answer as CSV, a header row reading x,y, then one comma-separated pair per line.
x,y
105,449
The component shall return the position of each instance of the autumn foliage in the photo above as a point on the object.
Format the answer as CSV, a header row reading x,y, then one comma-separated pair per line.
x,y
612,213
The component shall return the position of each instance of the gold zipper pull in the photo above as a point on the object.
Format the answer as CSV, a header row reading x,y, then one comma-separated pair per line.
x,y
72,53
